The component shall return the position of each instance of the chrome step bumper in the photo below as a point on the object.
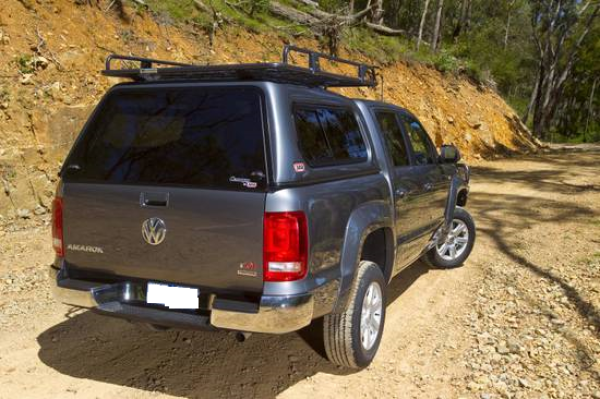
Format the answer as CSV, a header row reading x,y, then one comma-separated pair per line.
x,y
276,314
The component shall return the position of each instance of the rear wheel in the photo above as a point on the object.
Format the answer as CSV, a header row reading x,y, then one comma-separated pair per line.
x,y
456,248
352,337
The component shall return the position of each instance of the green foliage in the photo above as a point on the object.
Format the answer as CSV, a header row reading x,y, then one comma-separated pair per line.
x,y
174,10
248,14
25,63
381,49
493,45
444,61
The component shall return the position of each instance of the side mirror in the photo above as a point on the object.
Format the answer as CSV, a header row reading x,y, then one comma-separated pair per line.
x,y
449,154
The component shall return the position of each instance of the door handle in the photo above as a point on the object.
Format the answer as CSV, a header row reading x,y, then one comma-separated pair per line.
x,y
400,193
154,199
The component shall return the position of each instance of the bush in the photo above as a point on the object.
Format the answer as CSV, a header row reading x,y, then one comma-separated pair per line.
x,y
446,62
25,63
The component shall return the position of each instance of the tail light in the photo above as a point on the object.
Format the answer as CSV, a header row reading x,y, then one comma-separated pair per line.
x,y
57,226
285,250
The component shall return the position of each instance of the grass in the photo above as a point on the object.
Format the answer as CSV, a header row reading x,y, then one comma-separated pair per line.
x,y
25,64
252,16
382,49
4,95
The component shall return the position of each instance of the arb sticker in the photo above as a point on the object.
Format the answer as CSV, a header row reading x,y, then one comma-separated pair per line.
x,y
299,167
247,269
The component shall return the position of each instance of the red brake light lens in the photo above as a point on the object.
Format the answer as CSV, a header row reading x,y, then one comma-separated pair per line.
x,y
57,226
285,246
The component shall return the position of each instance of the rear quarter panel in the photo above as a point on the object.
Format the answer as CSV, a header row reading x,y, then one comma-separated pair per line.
x,y
329,196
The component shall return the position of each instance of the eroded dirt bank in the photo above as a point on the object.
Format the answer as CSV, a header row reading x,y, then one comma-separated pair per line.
x,y
520,320
51,53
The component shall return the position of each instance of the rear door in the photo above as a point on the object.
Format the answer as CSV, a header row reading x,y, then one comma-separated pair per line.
x,y
168,183
406,187
434,184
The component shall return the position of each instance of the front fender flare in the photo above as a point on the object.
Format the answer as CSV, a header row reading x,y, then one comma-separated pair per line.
x,y
456,186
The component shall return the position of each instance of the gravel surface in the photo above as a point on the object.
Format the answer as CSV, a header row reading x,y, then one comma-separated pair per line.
x,y
520,320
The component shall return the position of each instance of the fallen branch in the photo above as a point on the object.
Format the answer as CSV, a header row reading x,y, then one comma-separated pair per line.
x,y
385,30
202,7
290,13
42,46
322,20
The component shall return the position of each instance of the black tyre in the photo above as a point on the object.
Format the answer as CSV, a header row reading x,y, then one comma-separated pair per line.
x,y
352,337
458,246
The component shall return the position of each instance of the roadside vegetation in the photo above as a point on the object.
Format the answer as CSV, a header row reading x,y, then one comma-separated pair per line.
x,y
543,56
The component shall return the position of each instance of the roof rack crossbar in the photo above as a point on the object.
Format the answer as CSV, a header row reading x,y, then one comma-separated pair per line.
x,y
150,69
145,63
366,73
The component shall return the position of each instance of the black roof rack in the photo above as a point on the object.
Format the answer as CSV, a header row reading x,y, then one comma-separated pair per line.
x,y
279,72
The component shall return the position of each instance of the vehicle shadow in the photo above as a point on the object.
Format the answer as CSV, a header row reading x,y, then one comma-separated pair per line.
x,y
192,363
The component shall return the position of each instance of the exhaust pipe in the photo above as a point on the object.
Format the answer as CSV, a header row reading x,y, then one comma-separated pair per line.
x,y
242,336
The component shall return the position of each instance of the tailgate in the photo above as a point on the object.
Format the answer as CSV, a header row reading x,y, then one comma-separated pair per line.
x,y
209,234
168,183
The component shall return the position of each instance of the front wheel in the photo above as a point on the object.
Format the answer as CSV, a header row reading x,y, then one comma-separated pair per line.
x,y
352,337
456,248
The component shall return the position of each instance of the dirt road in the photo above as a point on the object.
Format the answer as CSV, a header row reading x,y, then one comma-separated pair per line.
x,y
520,320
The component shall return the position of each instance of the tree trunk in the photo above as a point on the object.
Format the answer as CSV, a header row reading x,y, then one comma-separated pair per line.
x,y
378,12
590,109
506,31
351,7
508,20
532,99
422,24
437,28
462,18
556,67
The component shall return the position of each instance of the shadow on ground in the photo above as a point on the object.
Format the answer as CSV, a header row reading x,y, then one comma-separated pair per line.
x,y
213,364
192,363
529,210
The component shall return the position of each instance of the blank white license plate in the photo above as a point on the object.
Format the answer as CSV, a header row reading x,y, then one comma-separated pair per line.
x,y
172,296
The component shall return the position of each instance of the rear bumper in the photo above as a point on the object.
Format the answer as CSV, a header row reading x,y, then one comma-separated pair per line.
x,y
276,314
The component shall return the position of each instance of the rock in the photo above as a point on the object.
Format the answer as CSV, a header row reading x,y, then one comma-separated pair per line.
x,y
502,349
523,383
53,90
4,38
23,213
513,346
473,386
26,79
39,210
596,395
40,62
450,120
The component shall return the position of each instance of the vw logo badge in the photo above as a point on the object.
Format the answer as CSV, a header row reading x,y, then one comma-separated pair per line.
x,y
154,231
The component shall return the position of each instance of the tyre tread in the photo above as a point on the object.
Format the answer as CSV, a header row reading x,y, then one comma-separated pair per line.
x,y
338,327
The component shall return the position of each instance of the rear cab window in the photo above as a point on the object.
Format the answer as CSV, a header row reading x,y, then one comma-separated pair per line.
x,y
207,137
329,135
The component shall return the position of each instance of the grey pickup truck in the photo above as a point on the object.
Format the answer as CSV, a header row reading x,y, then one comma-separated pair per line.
x,y
250,198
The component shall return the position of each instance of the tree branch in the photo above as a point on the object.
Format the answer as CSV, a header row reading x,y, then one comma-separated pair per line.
x,y
385,30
